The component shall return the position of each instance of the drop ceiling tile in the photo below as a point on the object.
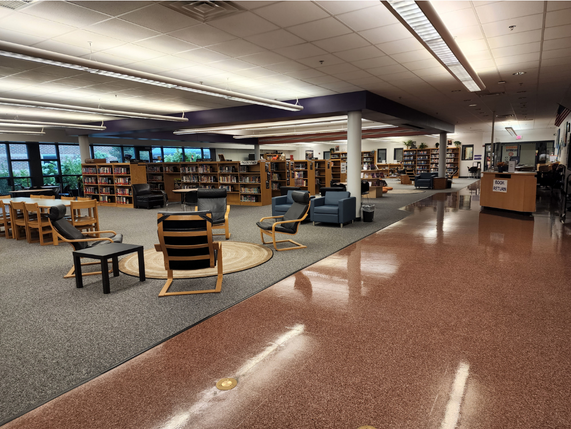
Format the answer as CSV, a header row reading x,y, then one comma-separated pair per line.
x,y
365,19
160,64
275,39
64,13
508,10
287,66
202,35
256,73
284,15
198,73
134,53
387,70
395,77
431,72
557,44
501,28
339,7
516,50
166,44
363,53
159,18
534,56
322,80
202,55
385,34
353,77
112,8
236,48
305,74
18,37
64,48
557,5
374,62
264,58
556,32
467,34
243,24
342,43
321,60
423,64
560,17
518,38
400,46
341,87
305,50
460,18
338,68
121,30
407,57
106,58
233,64
35,26
555,53
318,30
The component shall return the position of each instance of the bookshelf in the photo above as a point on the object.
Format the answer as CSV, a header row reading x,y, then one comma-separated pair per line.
x,y
322,173
229,179
110,184
390,170
281,175
422,161
254,183
304,175
453,161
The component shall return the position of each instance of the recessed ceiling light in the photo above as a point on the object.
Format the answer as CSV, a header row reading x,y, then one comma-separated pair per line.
x,y
501,82
472,105
519,73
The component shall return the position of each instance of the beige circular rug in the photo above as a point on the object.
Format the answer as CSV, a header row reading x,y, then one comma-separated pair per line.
x,y
236,256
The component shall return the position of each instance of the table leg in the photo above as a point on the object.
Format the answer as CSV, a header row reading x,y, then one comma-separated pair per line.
x,y
78,276
115,266
141,255
105,275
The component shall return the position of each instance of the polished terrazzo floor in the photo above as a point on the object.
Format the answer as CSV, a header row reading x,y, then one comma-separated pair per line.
x,y
453,317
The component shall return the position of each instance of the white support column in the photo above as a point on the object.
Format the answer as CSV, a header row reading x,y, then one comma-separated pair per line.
x,y
354,126
257,151
442,155
84,148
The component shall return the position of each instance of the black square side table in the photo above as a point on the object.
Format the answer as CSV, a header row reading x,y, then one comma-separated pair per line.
x,y
103,252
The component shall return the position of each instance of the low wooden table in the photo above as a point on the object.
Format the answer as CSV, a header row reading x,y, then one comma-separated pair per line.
x,y
439,183
103,252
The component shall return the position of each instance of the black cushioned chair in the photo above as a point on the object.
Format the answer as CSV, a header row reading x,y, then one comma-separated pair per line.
x,y
288,223
145,197
68,233
284,189
214,201
424,180
185,239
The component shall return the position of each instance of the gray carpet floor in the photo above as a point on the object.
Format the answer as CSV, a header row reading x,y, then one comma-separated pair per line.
x,y
54,337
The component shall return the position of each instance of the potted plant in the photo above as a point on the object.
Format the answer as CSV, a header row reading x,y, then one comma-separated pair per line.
x,y
408,143
422,146
457,143
437,145
502,166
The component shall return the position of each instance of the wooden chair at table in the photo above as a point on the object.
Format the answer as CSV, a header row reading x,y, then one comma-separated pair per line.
x,y
5,220
36,219
49,197
37,196
19,226
84,199
84,215
67,198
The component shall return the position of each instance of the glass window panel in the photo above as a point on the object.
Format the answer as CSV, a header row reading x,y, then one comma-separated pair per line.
x,y
70,159
206,153
110,153
128,150
18,151
173,154
192,154
4,187
144,155
467,152
22,183
157,153
20,169
50,168
4,172
50,180
48,151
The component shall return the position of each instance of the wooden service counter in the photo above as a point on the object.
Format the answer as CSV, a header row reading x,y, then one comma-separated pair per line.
x,y
508,191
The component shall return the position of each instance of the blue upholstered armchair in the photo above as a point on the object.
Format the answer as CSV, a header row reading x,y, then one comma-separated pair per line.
x,y
281,204
424,180
334,207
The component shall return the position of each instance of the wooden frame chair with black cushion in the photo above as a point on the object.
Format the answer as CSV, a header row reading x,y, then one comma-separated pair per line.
x,y
66,232
214,201
18,220
36,219
185,239
5,220
287,223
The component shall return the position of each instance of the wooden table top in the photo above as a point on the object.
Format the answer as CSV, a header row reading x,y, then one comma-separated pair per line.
x,y
42,202
185,190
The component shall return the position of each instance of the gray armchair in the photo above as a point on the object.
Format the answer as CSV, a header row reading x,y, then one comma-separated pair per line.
x,y
281,204
334,207
424,180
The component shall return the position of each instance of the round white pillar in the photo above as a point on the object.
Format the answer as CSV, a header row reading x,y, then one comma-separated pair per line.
x,y
84,148
354,157
442,155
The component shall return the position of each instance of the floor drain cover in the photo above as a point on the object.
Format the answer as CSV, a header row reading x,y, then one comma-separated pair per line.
x,y
226,384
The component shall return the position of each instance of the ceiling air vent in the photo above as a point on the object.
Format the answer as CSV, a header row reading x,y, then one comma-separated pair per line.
x,y
204,11
15,4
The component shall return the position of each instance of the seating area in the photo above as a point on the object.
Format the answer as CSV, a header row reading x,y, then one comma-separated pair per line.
x,y
335,207
145,197
424,180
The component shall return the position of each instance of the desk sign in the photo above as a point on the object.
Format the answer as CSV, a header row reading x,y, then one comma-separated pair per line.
x,y
500,186
248,162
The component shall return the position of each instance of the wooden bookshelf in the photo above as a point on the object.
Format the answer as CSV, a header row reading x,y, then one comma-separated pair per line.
x,y
255,180
281,175
386,169
322,173
229,179
110,184
304,175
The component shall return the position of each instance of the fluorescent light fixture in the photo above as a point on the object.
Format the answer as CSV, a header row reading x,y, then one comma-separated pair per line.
x,y
82,109
42,56
42,124
421,19
511,131
22,132
307,132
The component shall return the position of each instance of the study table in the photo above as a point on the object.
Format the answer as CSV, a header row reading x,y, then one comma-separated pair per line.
x,y
185,194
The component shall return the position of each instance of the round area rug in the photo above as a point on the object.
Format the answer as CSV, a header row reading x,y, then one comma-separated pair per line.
x,y
405,191
236,256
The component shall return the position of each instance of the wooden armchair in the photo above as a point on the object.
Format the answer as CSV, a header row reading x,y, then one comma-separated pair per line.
x,y
66,232
185,239
287,223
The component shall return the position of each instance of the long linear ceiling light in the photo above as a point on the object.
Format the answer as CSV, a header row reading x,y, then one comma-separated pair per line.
x,y
301,132
42,56
22,132
421,19
511,131
81,109
42,124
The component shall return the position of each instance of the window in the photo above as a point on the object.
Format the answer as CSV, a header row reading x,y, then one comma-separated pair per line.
x,y
5,187
70,160
398,154
109,153
172,154
193,154
20,165
157,154
381,156
467,152
50,164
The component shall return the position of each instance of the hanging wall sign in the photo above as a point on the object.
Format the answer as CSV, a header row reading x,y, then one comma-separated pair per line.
x,y
500,186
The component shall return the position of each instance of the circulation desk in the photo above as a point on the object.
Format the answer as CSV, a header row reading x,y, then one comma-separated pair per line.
x,y
508,191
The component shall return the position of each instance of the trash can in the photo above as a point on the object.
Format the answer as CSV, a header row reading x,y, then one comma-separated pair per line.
x,y
368,212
